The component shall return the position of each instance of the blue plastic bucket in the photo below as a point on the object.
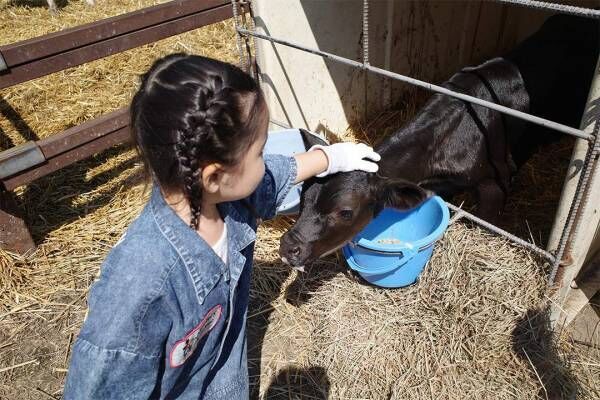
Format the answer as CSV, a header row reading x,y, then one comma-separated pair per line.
x,y
288,142
394,248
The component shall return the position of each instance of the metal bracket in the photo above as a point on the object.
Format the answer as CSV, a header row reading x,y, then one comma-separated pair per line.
x,y
20,158
3,65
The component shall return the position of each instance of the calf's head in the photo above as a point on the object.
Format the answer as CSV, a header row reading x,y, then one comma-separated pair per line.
x,y
334,209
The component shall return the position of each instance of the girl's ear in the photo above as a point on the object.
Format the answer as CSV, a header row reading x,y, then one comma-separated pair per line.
x,y
211,177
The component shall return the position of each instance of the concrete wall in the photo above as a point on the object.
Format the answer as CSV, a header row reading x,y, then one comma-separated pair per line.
x,y
428,40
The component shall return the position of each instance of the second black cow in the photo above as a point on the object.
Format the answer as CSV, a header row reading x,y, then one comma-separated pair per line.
x,y
451,146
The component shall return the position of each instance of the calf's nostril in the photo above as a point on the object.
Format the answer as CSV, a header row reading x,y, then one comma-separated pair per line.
x,y
295,251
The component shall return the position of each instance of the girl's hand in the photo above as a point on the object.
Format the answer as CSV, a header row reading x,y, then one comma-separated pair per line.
x,y
344,157
339,157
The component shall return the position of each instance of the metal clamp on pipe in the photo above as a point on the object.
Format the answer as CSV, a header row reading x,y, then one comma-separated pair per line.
x,y
3,64
20,158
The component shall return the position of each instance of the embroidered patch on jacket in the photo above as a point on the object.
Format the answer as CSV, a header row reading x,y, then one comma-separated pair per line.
x,y
185,347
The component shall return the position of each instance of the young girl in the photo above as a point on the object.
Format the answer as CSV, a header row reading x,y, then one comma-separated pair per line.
x,y
167,317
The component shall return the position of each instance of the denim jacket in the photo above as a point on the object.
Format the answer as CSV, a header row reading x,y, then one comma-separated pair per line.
x,y
167,318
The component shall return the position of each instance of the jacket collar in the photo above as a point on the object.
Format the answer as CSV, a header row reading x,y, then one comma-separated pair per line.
x,y
203,265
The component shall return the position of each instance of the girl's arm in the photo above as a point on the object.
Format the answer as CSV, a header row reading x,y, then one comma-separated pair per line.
x,y
283,172
310,164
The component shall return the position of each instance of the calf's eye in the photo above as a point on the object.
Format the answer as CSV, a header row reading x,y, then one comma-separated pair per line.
x,y
346,215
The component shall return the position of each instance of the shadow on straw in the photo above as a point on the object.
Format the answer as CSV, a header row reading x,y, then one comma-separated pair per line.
x,y
8,111
274,276
49,201
534,343
298,383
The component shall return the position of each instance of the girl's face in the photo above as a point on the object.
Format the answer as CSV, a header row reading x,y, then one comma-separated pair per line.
x,y
223,184
241,180
230,183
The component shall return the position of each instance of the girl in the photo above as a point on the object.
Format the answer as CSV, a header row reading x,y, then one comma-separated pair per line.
x,y
167,317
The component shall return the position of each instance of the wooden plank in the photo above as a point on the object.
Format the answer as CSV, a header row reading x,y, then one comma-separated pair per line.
x,y
83,35
94,51
69,157
586,230
14,235
84,133
582,291
71,140
585,329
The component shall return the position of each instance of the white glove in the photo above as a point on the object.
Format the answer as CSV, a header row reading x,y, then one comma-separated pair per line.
x,y
344,157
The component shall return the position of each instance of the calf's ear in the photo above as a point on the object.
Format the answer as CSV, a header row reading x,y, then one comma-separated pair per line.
x,y
310,140
399,194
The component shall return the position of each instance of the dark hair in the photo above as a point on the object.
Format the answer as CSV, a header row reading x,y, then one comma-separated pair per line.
x,y
191,111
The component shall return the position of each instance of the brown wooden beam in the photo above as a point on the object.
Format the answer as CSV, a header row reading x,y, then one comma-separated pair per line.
x,y
86,132
51,53
82,35
14,234
75,144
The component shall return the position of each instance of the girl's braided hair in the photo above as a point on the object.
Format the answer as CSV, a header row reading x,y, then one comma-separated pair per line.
x,y
191,111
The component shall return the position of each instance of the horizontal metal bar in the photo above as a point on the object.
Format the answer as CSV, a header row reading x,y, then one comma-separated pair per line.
x,y
86,34
530,246
71,57
429,86
279,123
457,215
562,8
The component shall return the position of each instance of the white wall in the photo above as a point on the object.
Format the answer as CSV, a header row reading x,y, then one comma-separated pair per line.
x,y
429,40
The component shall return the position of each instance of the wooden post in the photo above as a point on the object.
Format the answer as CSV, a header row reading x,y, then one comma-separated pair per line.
x,y
14,234
584,240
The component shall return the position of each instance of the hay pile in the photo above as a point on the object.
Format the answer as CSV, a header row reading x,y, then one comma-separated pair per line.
x,y
450,336
472,328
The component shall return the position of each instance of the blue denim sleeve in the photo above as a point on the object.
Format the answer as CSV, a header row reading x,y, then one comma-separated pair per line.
x,y
120,347
280,174
99,373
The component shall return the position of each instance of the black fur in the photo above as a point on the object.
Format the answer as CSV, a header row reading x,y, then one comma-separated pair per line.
x,y
450,146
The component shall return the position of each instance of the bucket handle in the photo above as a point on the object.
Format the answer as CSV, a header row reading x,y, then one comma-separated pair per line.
x,y
401,250
406,254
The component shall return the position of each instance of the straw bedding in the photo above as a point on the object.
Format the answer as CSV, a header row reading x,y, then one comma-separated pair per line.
x,y
474,327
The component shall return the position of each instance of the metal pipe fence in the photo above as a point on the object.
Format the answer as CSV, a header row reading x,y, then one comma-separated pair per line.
x,y
593,139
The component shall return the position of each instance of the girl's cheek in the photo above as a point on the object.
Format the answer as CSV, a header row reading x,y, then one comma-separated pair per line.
x,y
260,173
263,168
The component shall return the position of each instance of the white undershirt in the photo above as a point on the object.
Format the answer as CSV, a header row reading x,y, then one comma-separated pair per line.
x,y
221,246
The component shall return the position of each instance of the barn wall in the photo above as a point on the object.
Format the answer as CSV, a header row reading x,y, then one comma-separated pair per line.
x,y
429,40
